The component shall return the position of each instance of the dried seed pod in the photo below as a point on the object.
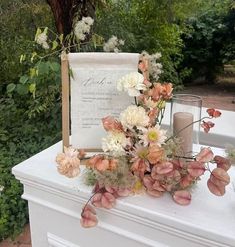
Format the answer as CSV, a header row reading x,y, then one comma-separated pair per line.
x,y
214,189
221,175
222,162
182,197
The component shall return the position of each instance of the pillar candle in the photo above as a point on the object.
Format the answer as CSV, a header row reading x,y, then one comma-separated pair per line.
x,y
181,120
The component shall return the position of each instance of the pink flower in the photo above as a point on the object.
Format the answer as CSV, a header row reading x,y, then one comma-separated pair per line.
x,y
156,154
68,162
111,124
182,197
139,167
205,155
88,217
207,126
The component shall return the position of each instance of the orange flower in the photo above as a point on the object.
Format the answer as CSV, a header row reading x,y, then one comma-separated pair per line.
x,y
213,113
101,164
167,90
111,124
156,91
68,162
155,154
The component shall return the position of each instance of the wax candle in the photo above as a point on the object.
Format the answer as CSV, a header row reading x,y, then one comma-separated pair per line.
x,y
180,121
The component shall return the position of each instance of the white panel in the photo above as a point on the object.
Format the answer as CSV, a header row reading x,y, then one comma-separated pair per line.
x,y
55,241
94,93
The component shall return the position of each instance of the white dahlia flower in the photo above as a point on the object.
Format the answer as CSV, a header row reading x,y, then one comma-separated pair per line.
x,y
132,84
134,116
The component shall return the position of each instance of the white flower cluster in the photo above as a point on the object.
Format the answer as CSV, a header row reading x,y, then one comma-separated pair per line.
x,y
132,83
155,69
115,142
134,116
83,27
41,39
112,44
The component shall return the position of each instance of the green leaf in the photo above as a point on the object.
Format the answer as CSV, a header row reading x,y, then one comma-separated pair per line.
x,y
43,68
22,89
39,31
55,66
11,87
24,79
54,45
32,87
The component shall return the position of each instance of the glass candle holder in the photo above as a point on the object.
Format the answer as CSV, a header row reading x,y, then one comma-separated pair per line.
x,y
185,110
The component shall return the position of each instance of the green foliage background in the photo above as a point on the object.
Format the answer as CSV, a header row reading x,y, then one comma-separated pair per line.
x,y
195,37
27,124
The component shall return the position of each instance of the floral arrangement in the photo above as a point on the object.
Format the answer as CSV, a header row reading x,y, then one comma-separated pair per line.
x,y
141,157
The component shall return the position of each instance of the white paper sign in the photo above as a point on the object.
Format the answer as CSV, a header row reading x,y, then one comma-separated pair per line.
x,y
94,94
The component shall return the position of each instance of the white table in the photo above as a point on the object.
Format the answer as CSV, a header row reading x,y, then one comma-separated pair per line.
x,y
55,203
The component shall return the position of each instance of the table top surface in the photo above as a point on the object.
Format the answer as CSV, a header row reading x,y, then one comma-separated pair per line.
x,y
207,213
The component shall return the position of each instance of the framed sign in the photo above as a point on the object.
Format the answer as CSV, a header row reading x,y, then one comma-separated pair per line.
x,y
94,95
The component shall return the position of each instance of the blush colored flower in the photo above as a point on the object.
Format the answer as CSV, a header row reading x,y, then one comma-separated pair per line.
x,y
115,143
156,91
134,116
100,163
132,84
111,124
68,162
207,126
156,154
153,135
167,91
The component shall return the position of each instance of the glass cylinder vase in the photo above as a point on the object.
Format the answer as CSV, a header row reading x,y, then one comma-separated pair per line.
x,y
185,110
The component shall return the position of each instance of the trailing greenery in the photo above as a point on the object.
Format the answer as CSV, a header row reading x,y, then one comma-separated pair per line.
x,y
29,122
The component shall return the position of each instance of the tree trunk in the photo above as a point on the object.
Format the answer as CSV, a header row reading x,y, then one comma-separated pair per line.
x,y
64,12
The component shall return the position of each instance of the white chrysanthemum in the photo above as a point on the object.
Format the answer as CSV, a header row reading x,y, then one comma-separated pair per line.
x,y
132,84
134,116
115,142
153,135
